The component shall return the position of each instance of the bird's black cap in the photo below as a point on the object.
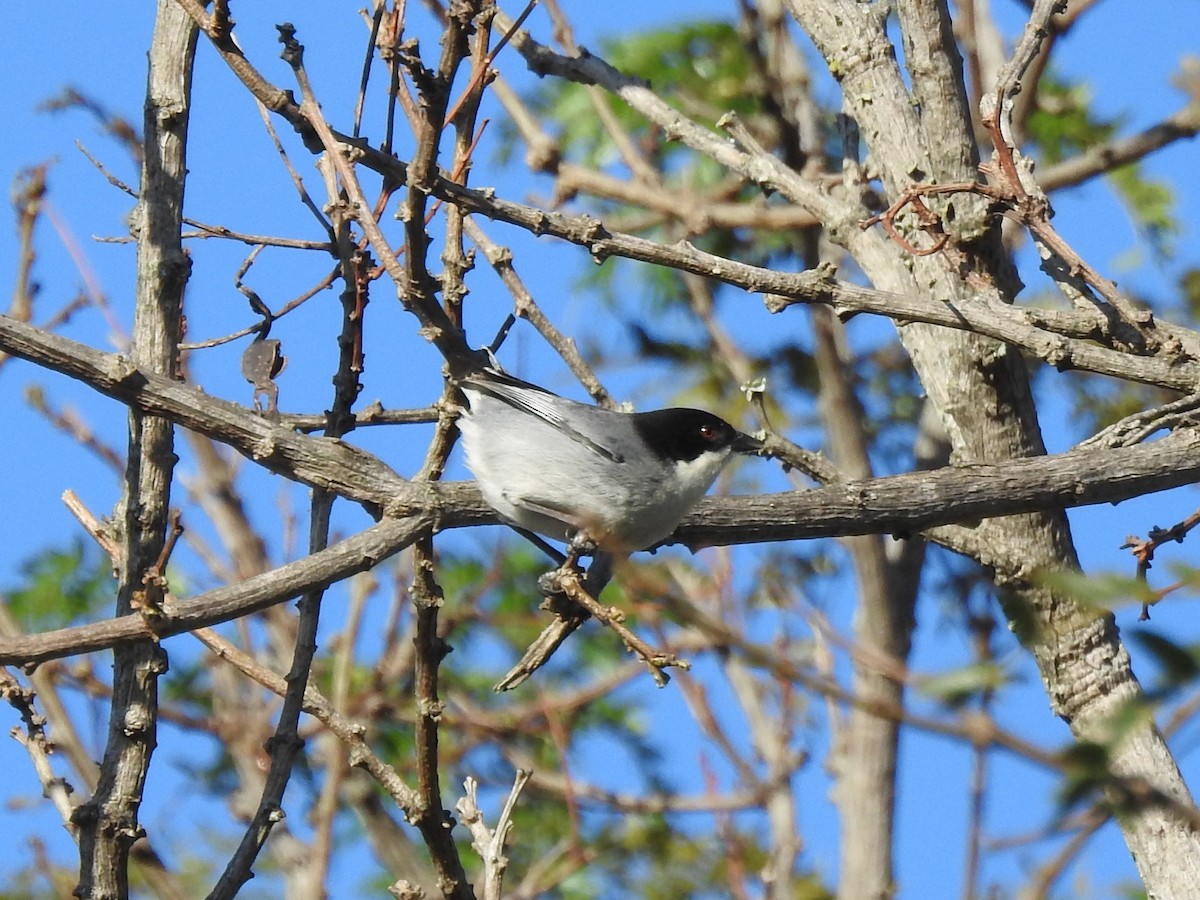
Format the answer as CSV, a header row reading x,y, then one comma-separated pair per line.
x,y
684,434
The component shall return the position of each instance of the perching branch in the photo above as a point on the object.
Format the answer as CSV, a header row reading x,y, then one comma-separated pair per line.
x,y
901,504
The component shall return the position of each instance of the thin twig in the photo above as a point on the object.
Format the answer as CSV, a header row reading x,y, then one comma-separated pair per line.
x,y
288,307
527,308
488,843
39,748
318,706
1143,552
568,580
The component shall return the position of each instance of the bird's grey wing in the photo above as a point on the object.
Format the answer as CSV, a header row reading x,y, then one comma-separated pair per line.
x,y
546,507
539,403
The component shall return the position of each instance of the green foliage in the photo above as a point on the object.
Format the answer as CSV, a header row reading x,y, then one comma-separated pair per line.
x,y
1152,203
1178,665
1101,592
959,686
705,70
61,586
635,855
653,856
1089,776
1087,772
1064,124
702,66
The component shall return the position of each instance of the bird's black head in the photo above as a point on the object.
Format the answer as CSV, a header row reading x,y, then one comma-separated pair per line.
x,y
684,434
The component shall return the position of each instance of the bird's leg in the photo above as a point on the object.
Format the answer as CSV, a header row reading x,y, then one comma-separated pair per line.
x,y
599,573
581,544
542,544
572,600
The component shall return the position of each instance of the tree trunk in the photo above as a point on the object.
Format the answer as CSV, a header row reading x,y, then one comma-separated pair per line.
x,y
981,391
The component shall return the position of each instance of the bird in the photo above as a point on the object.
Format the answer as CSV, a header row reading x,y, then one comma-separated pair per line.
x,y
596,478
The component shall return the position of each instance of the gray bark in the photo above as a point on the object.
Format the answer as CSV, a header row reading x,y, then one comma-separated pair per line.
x,y
981,392
108,824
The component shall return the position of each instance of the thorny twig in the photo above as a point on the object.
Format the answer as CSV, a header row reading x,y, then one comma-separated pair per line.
x,y
1143,552
433,820
567,579
416,290
39,747
1010,197
149,600
1016,194
286,743
481,72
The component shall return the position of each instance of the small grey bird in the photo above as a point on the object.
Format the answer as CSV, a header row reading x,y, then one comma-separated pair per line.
x,y
571,471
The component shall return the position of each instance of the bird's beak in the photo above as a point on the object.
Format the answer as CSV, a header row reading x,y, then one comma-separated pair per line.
x,y
743,443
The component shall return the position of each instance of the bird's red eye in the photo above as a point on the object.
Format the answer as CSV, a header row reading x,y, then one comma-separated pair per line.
x,y
708,432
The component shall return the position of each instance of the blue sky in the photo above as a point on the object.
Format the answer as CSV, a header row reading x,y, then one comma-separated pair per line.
x,y
100,52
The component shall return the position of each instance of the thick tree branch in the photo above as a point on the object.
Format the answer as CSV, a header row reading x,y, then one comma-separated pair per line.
x,y
318,462
905,504
758,168
984,398
1064,340
900,504
108,822
1022,328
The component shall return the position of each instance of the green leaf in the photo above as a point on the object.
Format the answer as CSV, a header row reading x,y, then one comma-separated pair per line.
x,y
62,586
1179,666
959,685
1064,125
1101,592
1087,772
1151,204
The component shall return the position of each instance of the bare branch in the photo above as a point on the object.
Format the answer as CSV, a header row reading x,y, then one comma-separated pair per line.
x,y
1103,158
432,818
318,570
317,462
317,705
33,738
1037,30
488,843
